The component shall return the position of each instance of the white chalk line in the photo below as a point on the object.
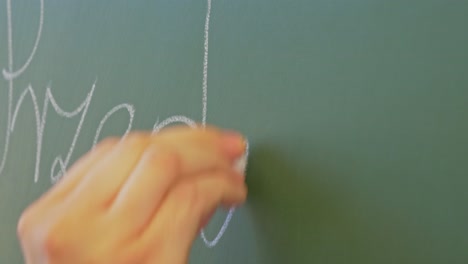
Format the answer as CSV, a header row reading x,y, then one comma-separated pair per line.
x,y
241,166
41,120
10,86
39,127
173,119
9,75
205,63
81,108
131,112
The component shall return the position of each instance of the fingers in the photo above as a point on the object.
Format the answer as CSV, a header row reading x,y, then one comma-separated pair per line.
x,y
202,149
146,187
102,183
71,179
162,166
198,150
184,209
79,169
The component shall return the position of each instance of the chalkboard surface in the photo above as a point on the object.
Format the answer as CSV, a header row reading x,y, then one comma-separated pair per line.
x,y
356,113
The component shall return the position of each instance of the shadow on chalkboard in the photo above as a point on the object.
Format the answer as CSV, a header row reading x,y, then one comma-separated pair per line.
x,y
301,219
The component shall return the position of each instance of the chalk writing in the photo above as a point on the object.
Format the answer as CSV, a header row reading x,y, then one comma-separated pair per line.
x,y
131,112
61,162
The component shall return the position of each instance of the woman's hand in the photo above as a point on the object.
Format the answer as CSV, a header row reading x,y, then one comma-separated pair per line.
x,y
142,199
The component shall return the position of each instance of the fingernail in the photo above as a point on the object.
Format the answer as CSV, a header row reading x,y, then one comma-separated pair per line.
x,y
233,143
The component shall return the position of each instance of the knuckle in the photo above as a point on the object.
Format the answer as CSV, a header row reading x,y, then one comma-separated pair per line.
x,y
108,142
59,233
131,255
136,138
207,133
170,159
186,197
52,244
46,236
186,192
54,239
175,128
23,227
161,155
183,132
156,254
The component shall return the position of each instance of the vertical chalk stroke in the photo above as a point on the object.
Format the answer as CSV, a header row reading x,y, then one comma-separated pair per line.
x,y
205,63
10,86
241,164
10,75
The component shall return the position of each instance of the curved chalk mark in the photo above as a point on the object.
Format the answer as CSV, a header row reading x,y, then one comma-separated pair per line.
x,y
54,177
173,119
131,111
9,75
83,107
63,113
225,225
240,166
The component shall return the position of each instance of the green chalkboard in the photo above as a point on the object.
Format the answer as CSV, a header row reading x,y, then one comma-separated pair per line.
x,y
356,113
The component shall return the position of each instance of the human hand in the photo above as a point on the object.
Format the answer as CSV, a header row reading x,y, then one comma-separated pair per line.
x,y
142,199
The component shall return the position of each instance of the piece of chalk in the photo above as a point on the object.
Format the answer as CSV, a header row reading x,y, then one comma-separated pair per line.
x,y
241,164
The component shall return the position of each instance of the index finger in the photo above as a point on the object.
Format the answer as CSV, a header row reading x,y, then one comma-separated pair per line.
x,y
202,148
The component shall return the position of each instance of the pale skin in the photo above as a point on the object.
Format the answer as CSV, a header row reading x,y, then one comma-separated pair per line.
x,y
138,199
